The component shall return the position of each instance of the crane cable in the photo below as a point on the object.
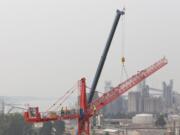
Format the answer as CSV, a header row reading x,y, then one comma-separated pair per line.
x,y
123,60
65,96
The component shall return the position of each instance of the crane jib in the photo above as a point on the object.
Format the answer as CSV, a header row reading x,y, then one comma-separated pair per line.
x,y
111,95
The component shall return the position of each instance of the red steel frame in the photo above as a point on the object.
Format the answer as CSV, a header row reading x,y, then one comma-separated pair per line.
x,y
83,120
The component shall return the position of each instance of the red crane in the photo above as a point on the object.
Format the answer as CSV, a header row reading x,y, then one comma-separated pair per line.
x,y
90,108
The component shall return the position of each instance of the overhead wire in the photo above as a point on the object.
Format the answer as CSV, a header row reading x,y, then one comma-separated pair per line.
x,y
123,59
68,96
63,98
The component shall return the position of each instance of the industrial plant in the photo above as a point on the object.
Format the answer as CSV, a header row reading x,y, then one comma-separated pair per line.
x,y
134,106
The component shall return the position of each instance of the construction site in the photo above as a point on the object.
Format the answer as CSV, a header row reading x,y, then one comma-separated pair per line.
x,y
88,110
134,106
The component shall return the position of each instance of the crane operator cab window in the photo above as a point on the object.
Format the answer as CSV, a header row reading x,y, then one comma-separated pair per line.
x,y
33,112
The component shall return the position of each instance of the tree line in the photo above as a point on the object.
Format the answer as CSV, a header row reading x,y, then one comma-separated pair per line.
x,y
14,124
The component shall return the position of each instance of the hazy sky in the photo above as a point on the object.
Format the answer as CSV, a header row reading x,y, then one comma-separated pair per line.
x,y
47,45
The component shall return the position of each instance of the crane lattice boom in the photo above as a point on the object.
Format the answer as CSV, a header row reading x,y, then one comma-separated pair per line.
x,y
108,97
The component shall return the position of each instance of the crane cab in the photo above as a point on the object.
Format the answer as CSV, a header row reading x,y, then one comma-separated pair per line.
x,y
32,114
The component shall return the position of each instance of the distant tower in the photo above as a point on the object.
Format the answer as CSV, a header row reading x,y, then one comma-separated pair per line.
x,y
134,100
115,107
153,105
144,94
108,86
168,93
108,109
2,106
143,88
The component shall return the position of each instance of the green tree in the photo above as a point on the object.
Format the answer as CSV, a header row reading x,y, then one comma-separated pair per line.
x,y
13,124
46,129
160,122
59,126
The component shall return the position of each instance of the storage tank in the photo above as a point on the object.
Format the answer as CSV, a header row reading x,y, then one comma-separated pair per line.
x,y
143,119
133,132
174,117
